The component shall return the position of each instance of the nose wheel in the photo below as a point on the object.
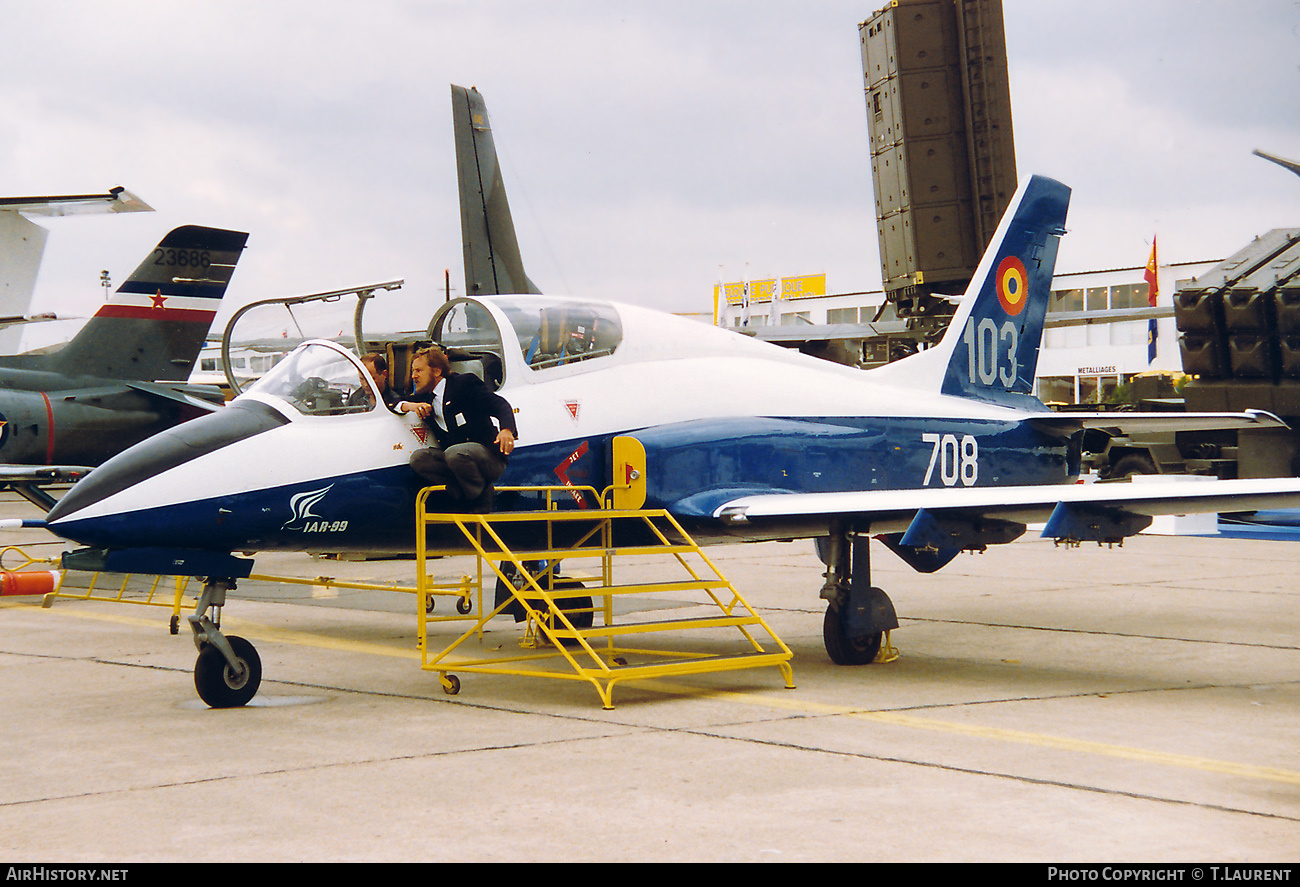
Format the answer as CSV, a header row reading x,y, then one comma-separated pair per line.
x,y
222,684
228,670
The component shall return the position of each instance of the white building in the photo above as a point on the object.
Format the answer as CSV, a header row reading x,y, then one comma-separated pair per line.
x,y
1096,336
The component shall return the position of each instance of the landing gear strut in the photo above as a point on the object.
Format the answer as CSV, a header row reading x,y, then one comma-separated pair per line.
x,y
228,670
578,608
857,613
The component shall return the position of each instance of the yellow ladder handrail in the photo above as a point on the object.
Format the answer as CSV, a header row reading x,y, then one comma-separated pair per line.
x,y
550,625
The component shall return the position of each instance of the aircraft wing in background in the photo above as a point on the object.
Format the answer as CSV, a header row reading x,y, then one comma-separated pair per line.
x,y
29,481
117,200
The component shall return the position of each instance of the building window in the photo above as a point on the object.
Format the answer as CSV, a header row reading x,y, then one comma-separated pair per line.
x,y
1129,295
1066,300
1056,389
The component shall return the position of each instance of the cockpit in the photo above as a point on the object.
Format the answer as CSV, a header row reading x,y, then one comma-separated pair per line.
x,y
548,333
317,380
541,334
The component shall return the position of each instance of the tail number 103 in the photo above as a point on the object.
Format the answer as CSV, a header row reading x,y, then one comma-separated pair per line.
x,y
991,352
957,459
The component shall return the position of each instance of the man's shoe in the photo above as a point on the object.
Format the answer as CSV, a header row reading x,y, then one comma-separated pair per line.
x,y
483,504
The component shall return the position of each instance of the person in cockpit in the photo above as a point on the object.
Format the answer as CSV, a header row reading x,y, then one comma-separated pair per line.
x,y
473,430
377,364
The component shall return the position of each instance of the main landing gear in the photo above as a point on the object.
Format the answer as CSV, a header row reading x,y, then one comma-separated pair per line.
x,y
228,670
579,609
857,613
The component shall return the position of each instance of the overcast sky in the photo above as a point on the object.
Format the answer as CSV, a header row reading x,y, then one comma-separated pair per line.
x,y
645,144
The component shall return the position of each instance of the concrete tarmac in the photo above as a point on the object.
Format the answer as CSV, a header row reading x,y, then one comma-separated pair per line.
x,y
1136,704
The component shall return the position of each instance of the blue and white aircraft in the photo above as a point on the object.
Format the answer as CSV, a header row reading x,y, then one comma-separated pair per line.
x,y
942,451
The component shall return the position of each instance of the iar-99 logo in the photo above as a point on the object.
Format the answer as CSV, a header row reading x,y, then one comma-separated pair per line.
x,y
305,519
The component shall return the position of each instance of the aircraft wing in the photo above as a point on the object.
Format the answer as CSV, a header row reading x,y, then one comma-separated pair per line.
x,y
42,473
117,200
204,397
16,319
29,481
1128,423
890,511
799,335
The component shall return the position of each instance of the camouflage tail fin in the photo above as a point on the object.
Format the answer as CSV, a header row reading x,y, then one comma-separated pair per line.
x,y
492,261
154,326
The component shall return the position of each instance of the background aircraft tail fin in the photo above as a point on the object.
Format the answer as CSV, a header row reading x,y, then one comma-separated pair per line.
x,y
154,326
24,240
492,261
990,350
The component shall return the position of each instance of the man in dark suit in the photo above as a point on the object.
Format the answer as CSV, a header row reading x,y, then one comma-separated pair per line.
x,y
473,430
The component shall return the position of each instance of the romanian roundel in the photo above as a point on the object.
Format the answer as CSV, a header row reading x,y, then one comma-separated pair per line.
x,y
1013,285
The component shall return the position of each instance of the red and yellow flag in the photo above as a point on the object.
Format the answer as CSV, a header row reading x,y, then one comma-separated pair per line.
x,y
1153,285
1153,291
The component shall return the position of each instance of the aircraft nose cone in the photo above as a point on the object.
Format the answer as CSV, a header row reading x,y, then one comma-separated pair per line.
x,y
96,504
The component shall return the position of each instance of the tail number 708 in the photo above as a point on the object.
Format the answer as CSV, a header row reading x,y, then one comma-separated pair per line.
x,y
957,458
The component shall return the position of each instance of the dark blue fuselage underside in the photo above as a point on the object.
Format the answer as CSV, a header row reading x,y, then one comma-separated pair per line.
x,y
692,468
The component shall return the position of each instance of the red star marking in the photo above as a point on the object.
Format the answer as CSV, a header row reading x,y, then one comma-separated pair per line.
x,y
158,299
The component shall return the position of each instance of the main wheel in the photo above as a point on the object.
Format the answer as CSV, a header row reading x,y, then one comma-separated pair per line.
x,y
1133,463
221,686
844,650
578,610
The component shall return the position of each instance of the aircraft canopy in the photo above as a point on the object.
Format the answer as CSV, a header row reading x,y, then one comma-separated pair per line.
x,y
548,332
318,380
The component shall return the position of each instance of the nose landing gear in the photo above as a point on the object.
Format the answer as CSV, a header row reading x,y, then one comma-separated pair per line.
x,y
228,670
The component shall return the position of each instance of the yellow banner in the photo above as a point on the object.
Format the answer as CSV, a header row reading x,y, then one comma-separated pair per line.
x,y
765,290
733,294
808,285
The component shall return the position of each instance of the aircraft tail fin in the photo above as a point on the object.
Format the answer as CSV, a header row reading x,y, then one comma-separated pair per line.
x,y
154,325
990,350
24,240
492,261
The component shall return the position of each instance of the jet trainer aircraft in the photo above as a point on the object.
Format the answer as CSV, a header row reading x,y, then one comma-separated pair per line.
x,y
942,451
122,378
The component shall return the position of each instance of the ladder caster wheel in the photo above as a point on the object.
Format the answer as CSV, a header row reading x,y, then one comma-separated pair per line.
x,y
429,604
451,685
175,624
464,605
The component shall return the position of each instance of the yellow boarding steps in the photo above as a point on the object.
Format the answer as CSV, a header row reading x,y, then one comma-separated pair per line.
x,y
561,627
